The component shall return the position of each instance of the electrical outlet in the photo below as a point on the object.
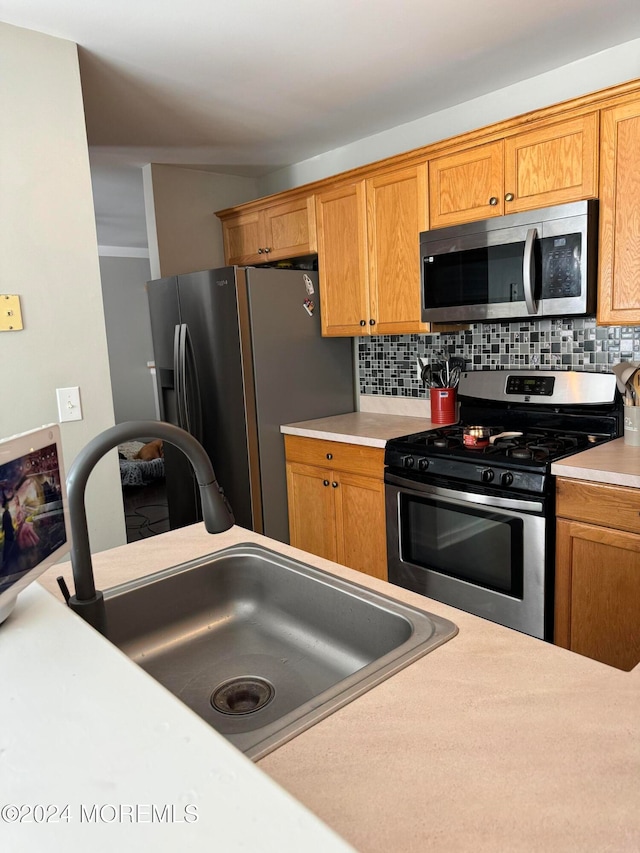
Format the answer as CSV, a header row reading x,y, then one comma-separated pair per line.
x,y
69,408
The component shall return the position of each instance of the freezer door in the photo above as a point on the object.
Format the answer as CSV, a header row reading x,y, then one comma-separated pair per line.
x,y
209,309
183,499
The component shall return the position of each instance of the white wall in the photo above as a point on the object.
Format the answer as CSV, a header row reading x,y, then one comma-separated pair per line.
x,y
184,234
126,313
48,255
607,68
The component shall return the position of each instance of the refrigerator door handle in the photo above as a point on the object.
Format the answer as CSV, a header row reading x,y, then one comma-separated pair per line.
x,y
177,376
190,386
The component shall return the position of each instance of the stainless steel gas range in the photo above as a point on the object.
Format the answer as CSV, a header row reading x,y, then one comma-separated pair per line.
x,y
470,508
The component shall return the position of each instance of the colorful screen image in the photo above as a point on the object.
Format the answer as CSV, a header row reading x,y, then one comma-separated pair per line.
x,y
33,522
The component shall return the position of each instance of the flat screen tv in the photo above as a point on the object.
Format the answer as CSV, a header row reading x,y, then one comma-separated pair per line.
x,y
33,506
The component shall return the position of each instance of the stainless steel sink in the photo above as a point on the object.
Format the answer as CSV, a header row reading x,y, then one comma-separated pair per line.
x,y
262,646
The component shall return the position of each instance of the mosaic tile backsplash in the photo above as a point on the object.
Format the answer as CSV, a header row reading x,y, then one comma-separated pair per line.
x,y
387,363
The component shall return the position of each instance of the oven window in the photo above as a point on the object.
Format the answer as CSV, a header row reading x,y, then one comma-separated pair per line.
x,y
476,545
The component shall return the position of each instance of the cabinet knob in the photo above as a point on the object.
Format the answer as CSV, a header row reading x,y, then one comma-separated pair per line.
x,y
259,251
363,322
267,250
334,484
372,322
493,201
329,455
325,482
509,197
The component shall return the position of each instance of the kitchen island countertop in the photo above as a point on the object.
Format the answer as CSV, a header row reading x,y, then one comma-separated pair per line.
x,y
494,741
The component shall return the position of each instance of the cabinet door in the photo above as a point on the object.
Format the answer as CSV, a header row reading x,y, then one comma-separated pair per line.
x,y
396,214
551,165
290,229
466,186
242,235
360,524
342,260
619,250
311,510
598,593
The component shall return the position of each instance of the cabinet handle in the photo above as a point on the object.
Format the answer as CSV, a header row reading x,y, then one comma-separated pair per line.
x,y
493,201
260,251
372,322
363,322
334,484
325,482
329,455
267,250
509,197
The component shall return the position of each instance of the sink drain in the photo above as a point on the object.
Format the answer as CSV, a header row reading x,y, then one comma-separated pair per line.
x,y
242,695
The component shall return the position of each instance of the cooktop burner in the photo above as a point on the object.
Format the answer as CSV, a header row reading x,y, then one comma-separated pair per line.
x,y
542,447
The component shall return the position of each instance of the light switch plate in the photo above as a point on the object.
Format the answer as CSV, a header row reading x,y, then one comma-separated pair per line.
x,y
69,408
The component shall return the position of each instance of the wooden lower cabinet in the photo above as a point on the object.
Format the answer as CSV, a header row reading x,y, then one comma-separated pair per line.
x,y
334,513
597,586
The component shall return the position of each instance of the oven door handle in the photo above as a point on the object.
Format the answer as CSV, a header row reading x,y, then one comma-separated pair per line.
x,y
459,497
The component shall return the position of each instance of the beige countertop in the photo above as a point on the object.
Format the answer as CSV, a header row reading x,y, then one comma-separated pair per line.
x,y
615,463
495,741
373,429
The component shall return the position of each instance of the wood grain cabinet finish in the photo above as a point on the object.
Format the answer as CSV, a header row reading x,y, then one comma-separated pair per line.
x,y
283,230
542,166
341,223
368,256
597,585
336,503
619,250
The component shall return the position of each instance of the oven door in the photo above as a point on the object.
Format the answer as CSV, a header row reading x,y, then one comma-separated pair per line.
x,y
482,553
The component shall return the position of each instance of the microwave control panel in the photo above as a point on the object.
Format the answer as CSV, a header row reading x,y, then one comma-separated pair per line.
x,y
561,266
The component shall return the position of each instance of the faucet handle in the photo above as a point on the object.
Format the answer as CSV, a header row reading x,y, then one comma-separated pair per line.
x,y
64,589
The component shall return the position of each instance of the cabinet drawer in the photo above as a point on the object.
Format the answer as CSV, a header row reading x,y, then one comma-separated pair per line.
x,y
607,506
335,455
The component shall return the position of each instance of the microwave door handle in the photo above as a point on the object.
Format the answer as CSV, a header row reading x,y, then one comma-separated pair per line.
x,y
529,271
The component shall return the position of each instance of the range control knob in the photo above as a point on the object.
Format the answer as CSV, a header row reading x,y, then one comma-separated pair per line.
x,y
507,478
486,475
408,461
423,464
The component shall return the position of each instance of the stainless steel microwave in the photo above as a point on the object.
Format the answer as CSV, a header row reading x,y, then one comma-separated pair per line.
x,y
542,263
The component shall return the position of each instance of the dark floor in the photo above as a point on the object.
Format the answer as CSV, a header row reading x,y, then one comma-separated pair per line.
x,y
146,511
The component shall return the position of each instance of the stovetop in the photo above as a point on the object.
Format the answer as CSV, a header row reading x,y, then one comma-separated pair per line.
x,y
513,462
537,448
554,414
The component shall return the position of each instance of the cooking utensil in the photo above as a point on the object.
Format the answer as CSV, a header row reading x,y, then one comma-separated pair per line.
x,y
476,436
494,438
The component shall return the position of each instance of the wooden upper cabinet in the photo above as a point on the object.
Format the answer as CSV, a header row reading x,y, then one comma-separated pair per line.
x,y
341,224
276,232
467,185
397,211
368,257
619,252
290,228
545,165
550,165
242,235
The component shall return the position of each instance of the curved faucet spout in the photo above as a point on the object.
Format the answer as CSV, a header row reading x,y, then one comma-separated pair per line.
x,y
217,514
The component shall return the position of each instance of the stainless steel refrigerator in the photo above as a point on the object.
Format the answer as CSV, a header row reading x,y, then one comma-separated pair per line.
x,y
238,352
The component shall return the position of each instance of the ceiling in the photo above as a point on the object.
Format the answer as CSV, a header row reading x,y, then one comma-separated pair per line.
x,y
247,86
